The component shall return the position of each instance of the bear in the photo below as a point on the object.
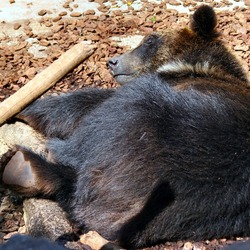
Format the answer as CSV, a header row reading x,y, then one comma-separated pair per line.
x,y
164,157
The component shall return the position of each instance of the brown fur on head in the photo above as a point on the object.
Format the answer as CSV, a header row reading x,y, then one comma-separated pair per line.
x,y
194,50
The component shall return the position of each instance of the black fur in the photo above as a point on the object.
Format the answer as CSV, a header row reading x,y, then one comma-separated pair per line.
x,y
156,164
20,242
67,113
204,22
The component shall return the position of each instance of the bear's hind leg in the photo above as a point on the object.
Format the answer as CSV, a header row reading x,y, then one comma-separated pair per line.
x,y
30,174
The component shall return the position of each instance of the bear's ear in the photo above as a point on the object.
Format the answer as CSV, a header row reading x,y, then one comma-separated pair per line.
x,y
203,22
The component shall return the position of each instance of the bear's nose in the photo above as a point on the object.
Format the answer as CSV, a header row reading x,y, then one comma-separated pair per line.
x,y
112,63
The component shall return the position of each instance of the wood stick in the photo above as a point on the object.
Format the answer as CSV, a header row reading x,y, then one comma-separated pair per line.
x,y
44,80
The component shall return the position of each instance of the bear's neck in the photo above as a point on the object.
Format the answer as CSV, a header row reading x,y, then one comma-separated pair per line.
x,y
177,72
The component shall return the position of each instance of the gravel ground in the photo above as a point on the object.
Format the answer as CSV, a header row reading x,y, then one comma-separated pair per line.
x,y
30,45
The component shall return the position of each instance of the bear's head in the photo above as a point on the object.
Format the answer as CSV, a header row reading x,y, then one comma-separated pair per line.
x,y
197,50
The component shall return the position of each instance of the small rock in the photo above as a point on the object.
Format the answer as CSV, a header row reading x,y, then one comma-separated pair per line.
x,y
174,2
44,42
93,17
247,2
12,1
22,230
239,238
241,48
214,242
149,24
66,5
20,46
3,64
117,13
56,19
188,246
89,12
94,38
223,240
199,246
90,25
93,239
56,29
9,217
30,73
7,236
26,22
130,23
75,14
146,30
42,12
15,87
17,26
48,24
105,75
103,8
63,13
179,244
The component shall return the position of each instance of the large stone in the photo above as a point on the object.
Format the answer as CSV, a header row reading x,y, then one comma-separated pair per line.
x,y
20,134
44,218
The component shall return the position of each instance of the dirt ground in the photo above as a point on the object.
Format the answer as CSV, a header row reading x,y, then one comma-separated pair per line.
x,y
27,46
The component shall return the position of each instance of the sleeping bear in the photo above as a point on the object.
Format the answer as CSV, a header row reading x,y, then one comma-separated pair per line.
x,y
166,156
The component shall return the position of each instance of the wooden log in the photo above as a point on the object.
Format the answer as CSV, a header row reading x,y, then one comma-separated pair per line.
x,y
44,80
